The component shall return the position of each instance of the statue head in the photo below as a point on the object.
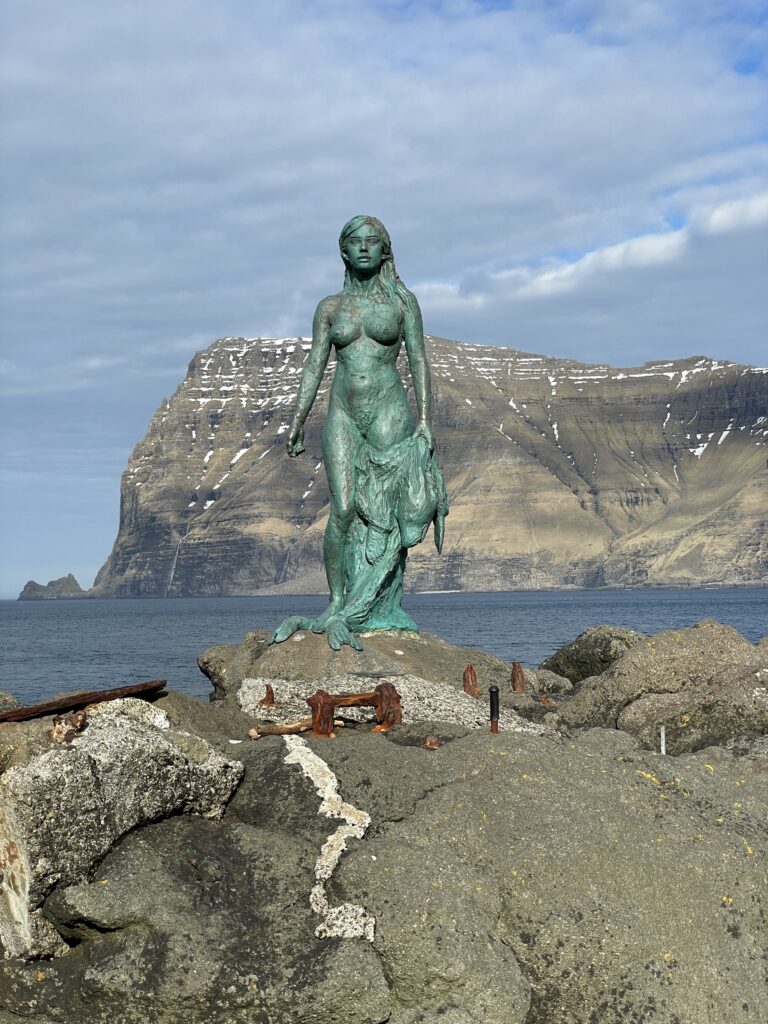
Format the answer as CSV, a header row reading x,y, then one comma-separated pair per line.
x,y
387,273
371,224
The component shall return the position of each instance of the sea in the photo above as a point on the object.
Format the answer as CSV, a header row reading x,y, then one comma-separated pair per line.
x,y
52,647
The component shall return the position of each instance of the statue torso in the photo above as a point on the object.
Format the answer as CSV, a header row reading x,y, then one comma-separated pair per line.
x,y
360,317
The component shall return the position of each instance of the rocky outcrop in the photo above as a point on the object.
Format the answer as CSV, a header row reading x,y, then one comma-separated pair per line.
x,y
307,656
592,652
63,806
66,586
704,685
559,474
506,880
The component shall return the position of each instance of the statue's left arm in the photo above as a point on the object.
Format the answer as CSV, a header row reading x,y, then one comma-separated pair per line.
x,y
413,333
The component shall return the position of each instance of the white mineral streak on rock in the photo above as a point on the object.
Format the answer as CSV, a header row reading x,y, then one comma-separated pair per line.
x,y
347,920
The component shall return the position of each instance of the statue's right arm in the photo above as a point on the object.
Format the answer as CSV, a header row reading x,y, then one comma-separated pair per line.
x,y
313,373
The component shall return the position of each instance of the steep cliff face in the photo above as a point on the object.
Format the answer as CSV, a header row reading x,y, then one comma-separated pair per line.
x,y
559,474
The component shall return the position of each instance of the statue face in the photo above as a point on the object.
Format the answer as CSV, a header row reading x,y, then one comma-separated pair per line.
x,y
364,249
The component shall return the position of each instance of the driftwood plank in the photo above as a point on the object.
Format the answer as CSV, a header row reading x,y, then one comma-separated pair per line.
x,y
79,700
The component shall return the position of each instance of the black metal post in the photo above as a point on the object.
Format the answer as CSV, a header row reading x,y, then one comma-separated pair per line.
x,y
493,693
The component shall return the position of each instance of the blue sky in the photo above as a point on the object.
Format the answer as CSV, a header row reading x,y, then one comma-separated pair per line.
x,y
586,179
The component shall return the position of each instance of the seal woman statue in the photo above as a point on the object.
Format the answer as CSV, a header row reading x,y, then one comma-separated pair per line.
x,y
385,484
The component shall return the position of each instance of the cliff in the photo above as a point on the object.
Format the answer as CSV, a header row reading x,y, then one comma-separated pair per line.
x,y
66,586
559,474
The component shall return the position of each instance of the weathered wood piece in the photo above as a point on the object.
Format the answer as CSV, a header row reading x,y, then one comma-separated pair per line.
x,y
79,700
280,730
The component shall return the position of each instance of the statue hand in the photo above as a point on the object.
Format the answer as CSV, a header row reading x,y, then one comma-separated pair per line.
x,y
287,628
295,443
424,430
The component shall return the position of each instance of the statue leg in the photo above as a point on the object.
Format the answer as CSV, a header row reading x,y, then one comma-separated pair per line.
x,y
341,440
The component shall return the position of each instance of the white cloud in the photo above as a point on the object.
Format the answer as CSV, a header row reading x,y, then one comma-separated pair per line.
x,y
580,175
739,213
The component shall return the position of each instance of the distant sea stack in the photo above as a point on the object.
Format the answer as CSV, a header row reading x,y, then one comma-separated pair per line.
x,y
559,474
66,586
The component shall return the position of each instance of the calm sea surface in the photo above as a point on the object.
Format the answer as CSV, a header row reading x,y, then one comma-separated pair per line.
x,y
51,646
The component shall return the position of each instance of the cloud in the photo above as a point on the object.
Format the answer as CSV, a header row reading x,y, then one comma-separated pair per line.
x,y
180,171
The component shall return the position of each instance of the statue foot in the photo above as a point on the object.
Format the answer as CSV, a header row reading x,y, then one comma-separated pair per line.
x,y
288,627
338,635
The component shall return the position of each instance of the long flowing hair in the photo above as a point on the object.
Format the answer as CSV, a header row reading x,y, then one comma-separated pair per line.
x,y
388,279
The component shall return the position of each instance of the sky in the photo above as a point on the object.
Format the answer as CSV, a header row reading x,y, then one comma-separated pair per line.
x,y
583,178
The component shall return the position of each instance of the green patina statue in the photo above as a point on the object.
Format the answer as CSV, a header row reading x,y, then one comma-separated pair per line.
x,y
385,484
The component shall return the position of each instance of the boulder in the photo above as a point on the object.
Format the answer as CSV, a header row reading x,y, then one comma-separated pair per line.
x,y
676,678
592,652
63,806
703,715
618,911
542,680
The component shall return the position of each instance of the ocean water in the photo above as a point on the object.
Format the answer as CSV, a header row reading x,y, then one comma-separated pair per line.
x,y
49,647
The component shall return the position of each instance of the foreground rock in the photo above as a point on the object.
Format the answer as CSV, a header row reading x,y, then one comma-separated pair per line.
x,y
63,806
524,878
514,879
65,586
705,685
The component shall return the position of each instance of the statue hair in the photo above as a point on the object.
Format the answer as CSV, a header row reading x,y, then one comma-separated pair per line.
x,y
388,279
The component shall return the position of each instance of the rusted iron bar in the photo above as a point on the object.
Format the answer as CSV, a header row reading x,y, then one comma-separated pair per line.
x,y
470,681
518,677
493,693
79,700
385,700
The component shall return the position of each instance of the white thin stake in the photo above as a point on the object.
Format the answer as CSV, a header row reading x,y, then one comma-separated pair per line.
x,y
663,739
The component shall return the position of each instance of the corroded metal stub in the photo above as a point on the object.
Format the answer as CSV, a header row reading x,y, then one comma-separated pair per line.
x,y
470,681
268,700
518,678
